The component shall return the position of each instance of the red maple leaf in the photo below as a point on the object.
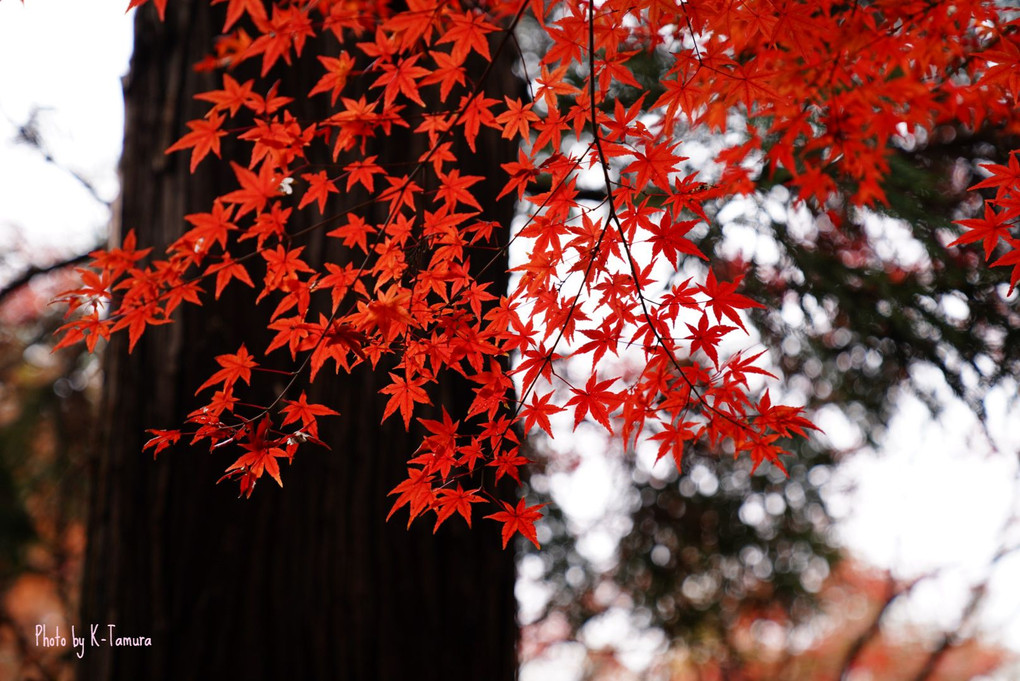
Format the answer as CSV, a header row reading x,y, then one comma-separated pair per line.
x,y
518,519
655,164
232,97
256,190
337,71
724,301
319,189
160,6
1003,178
226,270
234,367
161,440
988,230
404,395
417,491
307,413
254,8
706,338
450,501
204,137
596,399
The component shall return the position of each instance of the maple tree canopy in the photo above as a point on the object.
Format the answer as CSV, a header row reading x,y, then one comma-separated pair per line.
x,y
812,93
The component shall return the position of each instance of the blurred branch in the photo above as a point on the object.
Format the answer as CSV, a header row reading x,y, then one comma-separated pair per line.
x,y
29,657
29,133
978,593
34,271
893,592
953,638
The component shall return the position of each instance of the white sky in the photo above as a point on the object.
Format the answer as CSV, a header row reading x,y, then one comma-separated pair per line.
x,y
64,57
936,497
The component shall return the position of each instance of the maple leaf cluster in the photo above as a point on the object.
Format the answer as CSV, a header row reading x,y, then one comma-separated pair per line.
x,y
823,88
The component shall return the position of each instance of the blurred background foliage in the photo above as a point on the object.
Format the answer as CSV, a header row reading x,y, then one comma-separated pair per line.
x,y
47,405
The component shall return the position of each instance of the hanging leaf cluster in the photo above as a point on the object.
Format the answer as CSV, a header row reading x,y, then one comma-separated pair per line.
x,y
813,93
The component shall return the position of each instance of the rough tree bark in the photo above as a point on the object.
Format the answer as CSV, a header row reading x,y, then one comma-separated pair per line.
x,y
304,582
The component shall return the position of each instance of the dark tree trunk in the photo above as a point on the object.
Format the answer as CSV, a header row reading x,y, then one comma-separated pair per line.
x,y
304,582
